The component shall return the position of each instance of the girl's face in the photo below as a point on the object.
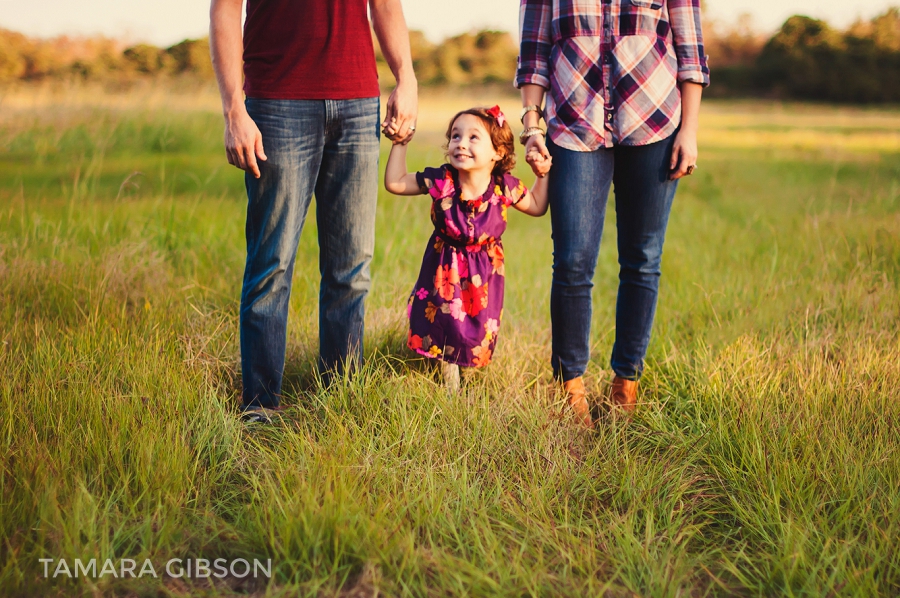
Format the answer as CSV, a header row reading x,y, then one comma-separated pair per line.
x,y
470,148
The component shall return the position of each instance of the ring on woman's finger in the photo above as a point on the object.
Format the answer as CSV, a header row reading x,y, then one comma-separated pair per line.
x,y
691,169
412,127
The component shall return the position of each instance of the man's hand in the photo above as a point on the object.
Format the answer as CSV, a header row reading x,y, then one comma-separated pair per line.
x,y
537,156
399,123
243,142
400,116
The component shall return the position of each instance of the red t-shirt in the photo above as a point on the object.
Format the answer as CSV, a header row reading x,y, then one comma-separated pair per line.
x,y
308,50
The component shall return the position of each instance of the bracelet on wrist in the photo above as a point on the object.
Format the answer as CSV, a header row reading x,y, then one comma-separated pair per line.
x,y
530,132
531,108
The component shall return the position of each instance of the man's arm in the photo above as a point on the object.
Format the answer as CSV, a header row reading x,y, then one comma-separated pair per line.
x,y
243,141
393,37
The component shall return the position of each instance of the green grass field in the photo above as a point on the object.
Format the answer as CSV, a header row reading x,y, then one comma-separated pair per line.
x,y
764,462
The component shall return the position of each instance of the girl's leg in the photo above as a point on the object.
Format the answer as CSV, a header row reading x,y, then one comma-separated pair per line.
x,y
644,197
578,189
450,376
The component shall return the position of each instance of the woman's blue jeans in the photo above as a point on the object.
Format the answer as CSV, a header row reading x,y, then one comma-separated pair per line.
x,y
330,148
578,189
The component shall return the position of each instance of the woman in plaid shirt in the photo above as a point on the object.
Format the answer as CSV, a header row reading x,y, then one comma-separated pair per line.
x,y
622,80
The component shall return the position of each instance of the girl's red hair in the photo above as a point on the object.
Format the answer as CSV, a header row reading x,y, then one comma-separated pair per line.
x,y
501,137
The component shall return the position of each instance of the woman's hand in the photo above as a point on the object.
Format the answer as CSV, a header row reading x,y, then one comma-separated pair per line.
x,y
684,154
684,151
537,156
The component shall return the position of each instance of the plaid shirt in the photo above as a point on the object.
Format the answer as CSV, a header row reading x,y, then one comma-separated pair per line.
x,y
612,67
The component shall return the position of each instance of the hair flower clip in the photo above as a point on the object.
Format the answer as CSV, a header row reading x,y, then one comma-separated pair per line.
x,y
498,115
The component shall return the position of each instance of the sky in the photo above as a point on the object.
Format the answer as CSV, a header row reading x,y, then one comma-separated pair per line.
x,y
164,22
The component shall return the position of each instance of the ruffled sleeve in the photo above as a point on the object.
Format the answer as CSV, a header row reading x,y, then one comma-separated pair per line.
x,y
431,180
513,189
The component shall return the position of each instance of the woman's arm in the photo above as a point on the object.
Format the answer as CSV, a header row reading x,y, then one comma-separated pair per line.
x,y
693,76
533,71
534,202
684,150
535,43
533,95
396,179
687,36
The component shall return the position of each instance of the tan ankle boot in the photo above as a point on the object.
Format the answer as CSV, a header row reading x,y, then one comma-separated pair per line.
x,y
576,396
624,394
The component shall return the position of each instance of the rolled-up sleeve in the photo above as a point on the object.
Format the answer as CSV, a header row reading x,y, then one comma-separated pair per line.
x,y
684,17
534,43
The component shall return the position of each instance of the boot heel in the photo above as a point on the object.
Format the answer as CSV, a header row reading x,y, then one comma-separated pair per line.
x,y
576,396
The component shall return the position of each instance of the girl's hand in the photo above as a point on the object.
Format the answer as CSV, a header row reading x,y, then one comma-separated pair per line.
x,y
537,156
539,163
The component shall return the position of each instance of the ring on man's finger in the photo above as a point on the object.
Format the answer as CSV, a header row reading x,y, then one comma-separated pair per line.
x,y
691,169
412,127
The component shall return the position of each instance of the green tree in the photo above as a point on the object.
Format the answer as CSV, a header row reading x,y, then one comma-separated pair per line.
x,y
191,56
797,61
484,57
807,59
147,59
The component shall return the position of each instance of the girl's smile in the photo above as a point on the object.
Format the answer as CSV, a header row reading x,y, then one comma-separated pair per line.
x,y
470,148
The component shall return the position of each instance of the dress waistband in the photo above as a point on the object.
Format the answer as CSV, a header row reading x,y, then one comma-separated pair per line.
x,y
462,244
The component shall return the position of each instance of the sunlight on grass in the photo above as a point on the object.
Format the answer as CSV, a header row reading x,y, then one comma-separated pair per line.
x,y
764,460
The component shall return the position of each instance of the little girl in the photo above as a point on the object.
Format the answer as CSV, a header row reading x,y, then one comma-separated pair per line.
x,y
457,304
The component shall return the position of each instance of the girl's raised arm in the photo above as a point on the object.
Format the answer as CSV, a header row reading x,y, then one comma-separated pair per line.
x,y
535,201
396,179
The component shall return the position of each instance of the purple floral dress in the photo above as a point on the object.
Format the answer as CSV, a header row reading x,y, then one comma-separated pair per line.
x,y
457,304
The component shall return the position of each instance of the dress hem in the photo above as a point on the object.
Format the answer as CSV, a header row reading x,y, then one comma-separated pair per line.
x,y
441,358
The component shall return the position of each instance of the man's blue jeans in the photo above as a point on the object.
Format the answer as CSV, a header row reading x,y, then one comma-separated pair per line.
x,y
578,189
330,148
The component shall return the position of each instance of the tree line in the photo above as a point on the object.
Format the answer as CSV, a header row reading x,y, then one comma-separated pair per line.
x,y
97,58
805,59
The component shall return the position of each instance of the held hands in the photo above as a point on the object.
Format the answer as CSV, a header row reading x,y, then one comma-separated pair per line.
x,y
243,142
399,123
537,156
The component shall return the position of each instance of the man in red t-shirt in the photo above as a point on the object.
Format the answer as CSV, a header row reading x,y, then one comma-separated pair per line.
x,y
309,124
